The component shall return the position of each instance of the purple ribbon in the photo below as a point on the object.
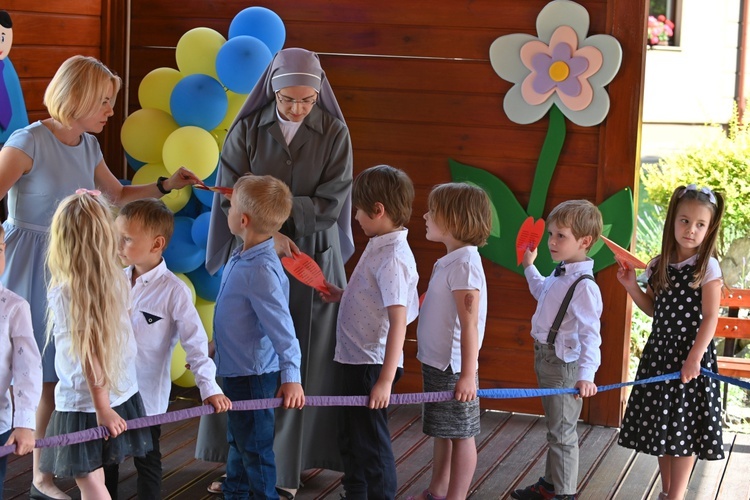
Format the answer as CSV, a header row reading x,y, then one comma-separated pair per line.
x,y
396,399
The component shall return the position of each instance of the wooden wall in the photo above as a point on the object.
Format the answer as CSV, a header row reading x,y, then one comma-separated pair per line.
x,y
46,33
415,84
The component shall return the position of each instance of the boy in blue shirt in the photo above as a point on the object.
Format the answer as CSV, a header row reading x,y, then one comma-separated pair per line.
x,y
254,335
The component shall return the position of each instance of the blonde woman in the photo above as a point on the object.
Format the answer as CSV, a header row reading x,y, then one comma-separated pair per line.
x,y
95,345
41,164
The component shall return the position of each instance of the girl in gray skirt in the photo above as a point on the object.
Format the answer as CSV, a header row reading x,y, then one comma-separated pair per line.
x,y
450,333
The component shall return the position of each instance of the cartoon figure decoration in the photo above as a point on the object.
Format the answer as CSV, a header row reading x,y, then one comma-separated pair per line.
x,y
184,117
561,72
12,106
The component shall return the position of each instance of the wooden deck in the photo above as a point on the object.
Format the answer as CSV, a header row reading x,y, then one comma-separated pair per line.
x,y
511,454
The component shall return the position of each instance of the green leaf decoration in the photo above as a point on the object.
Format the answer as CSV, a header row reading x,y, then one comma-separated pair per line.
x,y
617,212
510,215
600,242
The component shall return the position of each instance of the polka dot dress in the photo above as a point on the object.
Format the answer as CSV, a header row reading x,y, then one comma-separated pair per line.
x,y
672,418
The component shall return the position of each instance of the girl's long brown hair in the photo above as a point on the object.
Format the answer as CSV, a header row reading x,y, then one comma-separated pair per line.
x,y
660,278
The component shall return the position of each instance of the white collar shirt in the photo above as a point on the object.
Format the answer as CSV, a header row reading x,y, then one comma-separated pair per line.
x,y
162,313
439,331
385,276
19,362
579,336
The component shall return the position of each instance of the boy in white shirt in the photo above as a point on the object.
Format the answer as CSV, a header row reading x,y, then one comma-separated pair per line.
x,y
21,363
162,312
566,353
379,301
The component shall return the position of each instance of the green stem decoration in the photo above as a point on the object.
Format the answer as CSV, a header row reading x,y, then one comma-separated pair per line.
x,y
547,162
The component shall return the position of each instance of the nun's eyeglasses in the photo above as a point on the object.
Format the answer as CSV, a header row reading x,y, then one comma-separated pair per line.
x,y
308,101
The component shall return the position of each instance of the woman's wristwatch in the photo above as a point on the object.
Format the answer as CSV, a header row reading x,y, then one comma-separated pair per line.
x,y
160,185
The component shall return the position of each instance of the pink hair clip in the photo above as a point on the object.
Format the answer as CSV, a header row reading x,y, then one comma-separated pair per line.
x,y
704,190
92,192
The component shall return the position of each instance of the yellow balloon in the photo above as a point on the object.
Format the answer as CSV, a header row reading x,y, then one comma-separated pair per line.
x,y
192,148
144,132
150,172
189,284
156,88
219,134
206,313
196,51
179,359
235,103
186,380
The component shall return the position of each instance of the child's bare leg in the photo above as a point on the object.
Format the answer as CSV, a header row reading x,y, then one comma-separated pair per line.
x,y
92,486
681,467
665,470
441,466
463,465
44,481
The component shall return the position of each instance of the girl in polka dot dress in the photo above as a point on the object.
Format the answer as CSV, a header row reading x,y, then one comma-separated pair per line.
x,y
678,420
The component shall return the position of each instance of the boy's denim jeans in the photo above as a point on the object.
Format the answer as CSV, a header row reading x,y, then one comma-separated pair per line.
x,y
251,469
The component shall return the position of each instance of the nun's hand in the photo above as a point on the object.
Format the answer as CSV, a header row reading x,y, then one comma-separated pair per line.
x,y
284,246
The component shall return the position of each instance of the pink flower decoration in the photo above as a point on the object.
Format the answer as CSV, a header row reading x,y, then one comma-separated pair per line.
x,y
560,67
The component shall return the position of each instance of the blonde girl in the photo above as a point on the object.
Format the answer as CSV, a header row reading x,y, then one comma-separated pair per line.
x,y
450,333
678,420
95,347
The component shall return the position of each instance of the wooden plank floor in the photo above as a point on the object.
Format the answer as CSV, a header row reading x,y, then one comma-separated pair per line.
x,y
511,450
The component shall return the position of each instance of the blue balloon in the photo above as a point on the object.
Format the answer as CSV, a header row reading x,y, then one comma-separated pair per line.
x,y
206,286
241,61
182,254
192,208
125,182
198,100
261,23
200,229
206,197
134,164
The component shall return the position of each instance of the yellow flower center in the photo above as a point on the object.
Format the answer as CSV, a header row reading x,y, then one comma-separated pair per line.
x,y
559,71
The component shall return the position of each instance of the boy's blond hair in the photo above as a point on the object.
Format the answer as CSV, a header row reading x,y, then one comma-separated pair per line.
x,y
153,216
78,88
265,199
463,210
387,185
580,216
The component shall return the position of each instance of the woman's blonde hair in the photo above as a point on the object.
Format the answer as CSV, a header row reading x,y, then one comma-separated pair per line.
x,y
78,89
463,210
82,258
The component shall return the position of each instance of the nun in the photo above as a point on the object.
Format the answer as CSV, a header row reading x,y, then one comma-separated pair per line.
x,y
291,127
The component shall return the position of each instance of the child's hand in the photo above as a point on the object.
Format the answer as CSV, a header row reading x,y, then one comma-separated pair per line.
x,y
529,256
690,370
23,438
293,395
112,421
220,402
380,396
626,275
284,246
334,293
466,388
585,388
211,349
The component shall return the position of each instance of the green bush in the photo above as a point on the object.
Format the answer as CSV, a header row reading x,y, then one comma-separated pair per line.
x,y
722,164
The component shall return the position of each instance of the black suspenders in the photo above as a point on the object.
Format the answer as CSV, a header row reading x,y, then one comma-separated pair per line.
x,y
563,309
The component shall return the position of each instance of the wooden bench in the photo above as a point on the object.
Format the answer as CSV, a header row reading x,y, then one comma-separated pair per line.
x,y
732,328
